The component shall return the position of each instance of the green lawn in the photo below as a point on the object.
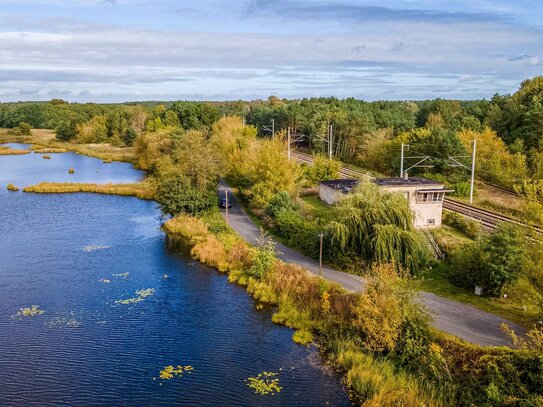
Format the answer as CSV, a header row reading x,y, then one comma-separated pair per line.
x,y
449,238
435,281
320,209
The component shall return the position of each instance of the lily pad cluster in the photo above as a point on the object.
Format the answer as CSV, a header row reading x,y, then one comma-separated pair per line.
x,y
31,311
141,295
169,372
265,383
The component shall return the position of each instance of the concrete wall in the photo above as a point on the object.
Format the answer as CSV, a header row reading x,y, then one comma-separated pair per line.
x,y
424,212
329,195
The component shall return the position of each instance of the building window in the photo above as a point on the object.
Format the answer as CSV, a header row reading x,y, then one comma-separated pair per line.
x,y
430,197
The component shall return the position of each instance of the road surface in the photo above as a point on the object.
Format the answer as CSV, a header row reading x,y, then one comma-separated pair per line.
x,y
461,320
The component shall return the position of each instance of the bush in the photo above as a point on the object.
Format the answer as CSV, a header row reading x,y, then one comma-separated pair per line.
x,y
280,202
491,262
129,136
471,228
461,189
23,129
297,232
66,131
323,169
176,195
262,257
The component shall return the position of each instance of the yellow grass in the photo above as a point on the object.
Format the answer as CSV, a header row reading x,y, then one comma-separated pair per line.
x,y
139,190
105,152
4,150
187,226
39,136
12,187
47,150
46,157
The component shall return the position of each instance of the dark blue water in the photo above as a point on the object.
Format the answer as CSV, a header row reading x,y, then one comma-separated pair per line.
x,y
56,251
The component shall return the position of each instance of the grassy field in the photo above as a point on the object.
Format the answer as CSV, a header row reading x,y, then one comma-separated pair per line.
x,y
319,208
435,281
495,200
449,238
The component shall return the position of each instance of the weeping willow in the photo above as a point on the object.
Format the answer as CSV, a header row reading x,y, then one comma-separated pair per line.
x,y
378,226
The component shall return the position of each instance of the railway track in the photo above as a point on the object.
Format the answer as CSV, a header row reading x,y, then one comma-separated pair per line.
x,y
488,219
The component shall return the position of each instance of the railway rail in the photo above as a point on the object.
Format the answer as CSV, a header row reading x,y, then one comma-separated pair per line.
x,y
486,218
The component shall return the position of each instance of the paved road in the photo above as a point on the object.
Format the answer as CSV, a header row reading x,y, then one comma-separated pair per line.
x,y
462,320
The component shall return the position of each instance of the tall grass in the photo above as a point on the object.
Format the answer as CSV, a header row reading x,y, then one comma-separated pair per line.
x,y
5,150
379,383
139,190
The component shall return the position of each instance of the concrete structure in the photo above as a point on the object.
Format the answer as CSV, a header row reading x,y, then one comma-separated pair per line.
x,y
332,190
425,196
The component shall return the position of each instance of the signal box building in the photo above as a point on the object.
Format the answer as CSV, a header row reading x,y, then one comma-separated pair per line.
x,y
425,196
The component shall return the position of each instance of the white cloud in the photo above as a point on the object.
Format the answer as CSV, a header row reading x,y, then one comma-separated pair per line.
x,y
377,59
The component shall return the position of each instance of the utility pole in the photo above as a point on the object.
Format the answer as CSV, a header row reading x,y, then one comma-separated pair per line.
x,y
330,140
320,255
227,224
401,162
271,128
472,171
457,163
288,142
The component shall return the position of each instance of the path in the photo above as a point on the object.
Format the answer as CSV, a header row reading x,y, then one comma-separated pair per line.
x,y
458,319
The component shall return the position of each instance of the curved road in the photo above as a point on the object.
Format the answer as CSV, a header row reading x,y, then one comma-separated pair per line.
x,y
464,321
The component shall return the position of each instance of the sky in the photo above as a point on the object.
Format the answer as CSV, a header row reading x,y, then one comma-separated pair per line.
x,y
135,50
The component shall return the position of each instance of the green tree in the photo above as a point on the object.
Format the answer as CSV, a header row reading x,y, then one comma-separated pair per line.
x,y
493,261
323,169
23,129
129,136
177,195
378,227
66,131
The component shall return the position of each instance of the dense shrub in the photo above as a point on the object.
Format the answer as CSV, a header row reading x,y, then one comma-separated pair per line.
x,y
66,131
176,195
491,262
280,202
262,257
298,232
469,227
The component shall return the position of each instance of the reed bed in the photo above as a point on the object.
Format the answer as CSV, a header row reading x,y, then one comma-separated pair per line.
x,y
4,150
139,190
47,150
12,187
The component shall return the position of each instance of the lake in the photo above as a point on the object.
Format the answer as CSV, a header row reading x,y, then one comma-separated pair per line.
x,y
81,258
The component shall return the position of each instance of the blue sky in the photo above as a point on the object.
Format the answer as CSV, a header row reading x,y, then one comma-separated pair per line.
x,y
125,50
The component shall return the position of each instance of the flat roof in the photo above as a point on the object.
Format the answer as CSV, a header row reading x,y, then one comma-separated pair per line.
x,y
344,185
403,182
435,190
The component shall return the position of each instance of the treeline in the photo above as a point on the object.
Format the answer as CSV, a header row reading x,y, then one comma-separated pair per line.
x,y
509,129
